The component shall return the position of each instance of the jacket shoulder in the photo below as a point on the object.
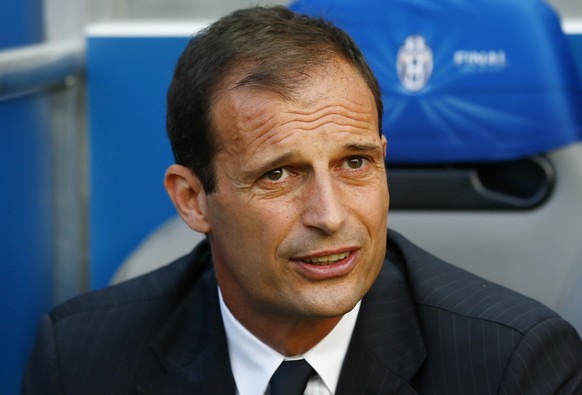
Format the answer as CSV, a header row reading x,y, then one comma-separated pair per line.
x,y
102,342
436,284
170,282
482,338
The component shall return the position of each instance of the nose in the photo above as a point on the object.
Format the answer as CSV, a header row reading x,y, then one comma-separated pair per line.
x,y
324,207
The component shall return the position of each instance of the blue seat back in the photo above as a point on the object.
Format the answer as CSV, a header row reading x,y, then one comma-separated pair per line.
x,y
465,80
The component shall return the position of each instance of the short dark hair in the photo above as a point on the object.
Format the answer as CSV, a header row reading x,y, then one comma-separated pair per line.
x,y
276,46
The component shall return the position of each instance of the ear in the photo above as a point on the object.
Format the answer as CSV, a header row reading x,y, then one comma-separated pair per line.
x,y
384,144
188,196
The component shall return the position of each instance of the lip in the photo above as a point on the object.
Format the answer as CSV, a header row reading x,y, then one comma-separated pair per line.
x,y
324,272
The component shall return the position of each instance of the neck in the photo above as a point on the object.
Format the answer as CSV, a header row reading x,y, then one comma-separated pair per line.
x,y
287,335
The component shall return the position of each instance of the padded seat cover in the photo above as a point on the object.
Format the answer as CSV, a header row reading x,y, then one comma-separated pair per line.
x,y
465,80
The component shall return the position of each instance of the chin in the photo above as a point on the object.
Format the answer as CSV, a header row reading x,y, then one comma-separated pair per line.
x,y
334,306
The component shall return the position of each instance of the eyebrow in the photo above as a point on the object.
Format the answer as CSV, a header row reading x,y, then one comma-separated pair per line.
x,y
364,148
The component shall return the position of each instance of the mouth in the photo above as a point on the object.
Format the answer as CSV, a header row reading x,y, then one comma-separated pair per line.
x,y
327,259
327,265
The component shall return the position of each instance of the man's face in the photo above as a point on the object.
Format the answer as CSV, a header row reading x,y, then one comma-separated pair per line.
x,y
298,222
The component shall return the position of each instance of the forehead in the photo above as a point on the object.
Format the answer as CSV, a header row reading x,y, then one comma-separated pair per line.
x,y
241,114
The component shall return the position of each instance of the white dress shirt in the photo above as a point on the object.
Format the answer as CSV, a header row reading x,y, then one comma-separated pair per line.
x,y
253,362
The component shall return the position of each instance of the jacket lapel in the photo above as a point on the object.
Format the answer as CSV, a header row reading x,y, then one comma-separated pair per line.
x,y
387,347
192,347
208,374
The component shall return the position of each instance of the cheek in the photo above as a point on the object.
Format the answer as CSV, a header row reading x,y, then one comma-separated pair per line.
x,y
256,227
270,230
272,216
372,205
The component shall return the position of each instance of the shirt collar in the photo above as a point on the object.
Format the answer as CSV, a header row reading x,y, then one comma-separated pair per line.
x,y
253,362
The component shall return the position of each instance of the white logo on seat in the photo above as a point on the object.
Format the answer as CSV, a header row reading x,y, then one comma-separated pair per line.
x,y
414,63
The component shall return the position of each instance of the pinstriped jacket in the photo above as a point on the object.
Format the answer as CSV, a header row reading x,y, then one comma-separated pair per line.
x,y
425,327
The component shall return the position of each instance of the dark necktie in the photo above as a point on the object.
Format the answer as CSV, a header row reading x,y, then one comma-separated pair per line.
x,y
291,378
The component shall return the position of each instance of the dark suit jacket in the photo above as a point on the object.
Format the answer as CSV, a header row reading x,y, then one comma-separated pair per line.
x,y
425,327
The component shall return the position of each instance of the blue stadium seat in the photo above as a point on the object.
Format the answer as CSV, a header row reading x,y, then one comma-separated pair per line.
x,y
465,81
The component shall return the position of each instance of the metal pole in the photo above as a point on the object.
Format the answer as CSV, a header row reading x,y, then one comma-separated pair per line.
x,y
40,67
54,71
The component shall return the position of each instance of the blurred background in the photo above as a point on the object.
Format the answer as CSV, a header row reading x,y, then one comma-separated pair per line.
x,y
63,94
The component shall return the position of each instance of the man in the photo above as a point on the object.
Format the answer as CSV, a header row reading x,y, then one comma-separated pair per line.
x,y
274,120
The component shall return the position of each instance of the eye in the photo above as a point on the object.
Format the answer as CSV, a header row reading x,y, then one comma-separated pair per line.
x,y
355,162
277,174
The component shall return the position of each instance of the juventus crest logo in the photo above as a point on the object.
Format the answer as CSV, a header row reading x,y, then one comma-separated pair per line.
x,y
414,63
